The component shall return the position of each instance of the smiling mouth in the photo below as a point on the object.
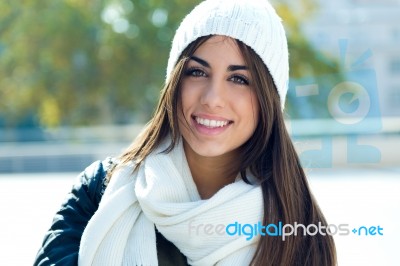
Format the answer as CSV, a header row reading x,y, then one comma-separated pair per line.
x,y
210,123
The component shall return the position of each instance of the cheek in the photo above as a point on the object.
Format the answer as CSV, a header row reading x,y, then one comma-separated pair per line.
x,y
188,97
250,109
186,103
255,111
185,100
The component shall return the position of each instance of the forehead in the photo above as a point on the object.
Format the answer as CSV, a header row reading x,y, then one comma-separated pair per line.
x,y
220,47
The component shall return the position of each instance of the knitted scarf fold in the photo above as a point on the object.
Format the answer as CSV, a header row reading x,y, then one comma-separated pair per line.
x,y
162,193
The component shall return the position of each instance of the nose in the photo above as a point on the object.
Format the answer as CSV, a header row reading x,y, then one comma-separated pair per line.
x,y
213,95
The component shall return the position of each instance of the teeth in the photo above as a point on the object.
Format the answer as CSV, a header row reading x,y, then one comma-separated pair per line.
x,y
211,123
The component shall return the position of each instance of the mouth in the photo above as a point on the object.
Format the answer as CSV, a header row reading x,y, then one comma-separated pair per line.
x,y
211,123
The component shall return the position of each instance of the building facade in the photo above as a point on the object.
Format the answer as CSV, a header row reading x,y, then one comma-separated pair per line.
x,y
364,34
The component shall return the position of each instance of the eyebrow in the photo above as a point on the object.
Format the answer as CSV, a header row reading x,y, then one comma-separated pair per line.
x,y
200,61
206,64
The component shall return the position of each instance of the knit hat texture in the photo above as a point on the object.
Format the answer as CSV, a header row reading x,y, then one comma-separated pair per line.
x,y
254,22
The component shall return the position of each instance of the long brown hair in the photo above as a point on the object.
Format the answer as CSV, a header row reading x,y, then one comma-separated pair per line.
x,y
269,154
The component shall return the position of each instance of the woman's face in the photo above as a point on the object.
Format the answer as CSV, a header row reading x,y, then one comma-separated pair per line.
x,y
218,101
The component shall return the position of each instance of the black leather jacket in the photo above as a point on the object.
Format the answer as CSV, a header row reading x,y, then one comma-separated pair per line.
x,y
61,242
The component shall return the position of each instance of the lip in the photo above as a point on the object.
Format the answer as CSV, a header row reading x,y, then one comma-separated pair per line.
x,y
204,130
211,117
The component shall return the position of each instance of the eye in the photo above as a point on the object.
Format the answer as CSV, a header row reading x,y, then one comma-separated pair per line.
x,y
195,72
239,79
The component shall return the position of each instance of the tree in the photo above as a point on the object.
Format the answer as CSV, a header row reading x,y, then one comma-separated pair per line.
x,y
83,62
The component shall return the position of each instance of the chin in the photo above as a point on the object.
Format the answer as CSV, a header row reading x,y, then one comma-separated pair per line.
x,y
209,150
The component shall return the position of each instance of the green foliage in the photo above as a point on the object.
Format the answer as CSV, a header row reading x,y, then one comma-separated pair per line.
x,y
83,62
73,62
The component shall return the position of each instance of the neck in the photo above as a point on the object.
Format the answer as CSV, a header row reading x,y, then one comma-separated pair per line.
x,y
210,174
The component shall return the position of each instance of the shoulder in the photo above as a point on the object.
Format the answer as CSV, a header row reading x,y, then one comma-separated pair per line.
x,y
61,242
94,178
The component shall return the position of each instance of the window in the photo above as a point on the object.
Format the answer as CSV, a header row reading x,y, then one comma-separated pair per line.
x,y
394,100
394,66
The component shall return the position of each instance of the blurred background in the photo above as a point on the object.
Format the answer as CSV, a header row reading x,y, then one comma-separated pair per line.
x,y
79,79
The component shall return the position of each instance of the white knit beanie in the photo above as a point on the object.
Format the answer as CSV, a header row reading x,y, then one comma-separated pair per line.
x,y
254,22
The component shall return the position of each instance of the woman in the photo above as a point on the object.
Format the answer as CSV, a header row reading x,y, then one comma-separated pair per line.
x,y
214,160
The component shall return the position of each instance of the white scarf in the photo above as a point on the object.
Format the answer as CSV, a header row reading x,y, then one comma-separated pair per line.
x,y
162,193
